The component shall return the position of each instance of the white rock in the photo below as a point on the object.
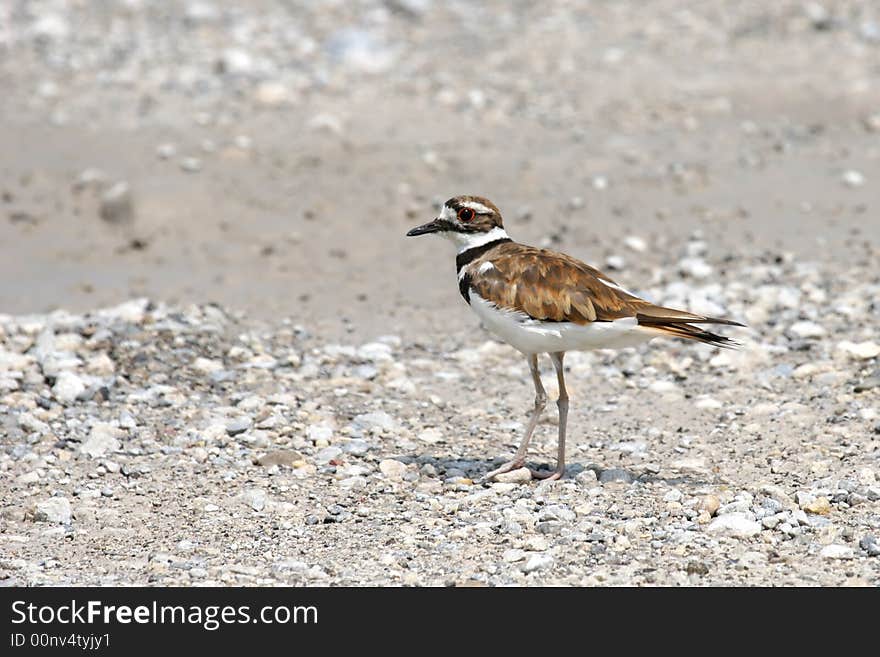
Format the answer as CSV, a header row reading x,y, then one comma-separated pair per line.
x,y
635,243
674,495
513,555
236,62
55,510
207,365
431,436
695,267
68,386
319,432
518,476
255,498
708,403
29,423
392,468
734,524
102,439
537,562
836,551
807,329
375,351
860,350
853,178
377,420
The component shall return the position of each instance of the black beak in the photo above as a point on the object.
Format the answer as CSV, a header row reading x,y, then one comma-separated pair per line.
x,y
424,229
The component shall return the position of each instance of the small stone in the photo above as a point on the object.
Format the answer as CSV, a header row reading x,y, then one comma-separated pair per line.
x,y
68,386
513,555
586,478
860,350
612,475
103,438
235,61
807,330
697,568
166,151
191,164
29,423
674,495
738,525
376,421
518,476
819,506
287,458
117,206
537,562
635,243
695,267
837,551
392,468
238,425
328,454
255,498
615,262
54,510
853,178
870,545
207,365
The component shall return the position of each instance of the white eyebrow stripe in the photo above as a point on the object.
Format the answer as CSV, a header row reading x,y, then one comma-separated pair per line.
x,y
479,208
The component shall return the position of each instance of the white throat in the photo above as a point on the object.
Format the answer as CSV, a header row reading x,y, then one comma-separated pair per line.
x,y
467,241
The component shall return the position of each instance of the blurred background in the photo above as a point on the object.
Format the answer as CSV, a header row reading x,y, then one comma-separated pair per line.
x,y
269,155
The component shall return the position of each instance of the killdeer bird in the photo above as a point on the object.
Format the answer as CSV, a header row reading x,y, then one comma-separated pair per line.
x,y
542,301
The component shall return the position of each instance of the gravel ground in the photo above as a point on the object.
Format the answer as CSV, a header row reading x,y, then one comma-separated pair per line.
x,y
165,445
241,163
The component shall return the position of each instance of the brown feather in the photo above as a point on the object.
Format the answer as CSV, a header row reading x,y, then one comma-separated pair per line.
x,y
551,286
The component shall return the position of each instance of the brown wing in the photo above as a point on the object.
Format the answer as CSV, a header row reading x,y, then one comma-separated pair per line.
x,y
550,286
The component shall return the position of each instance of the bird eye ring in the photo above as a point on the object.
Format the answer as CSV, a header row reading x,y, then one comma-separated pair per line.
x,y
466,214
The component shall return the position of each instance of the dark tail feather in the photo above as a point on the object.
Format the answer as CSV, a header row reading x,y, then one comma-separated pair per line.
x,y
690,332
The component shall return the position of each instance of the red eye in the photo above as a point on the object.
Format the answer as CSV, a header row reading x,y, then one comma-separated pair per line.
x,y
465,214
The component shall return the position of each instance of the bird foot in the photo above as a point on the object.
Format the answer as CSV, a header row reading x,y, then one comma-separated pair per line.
x,y
515,464
547,475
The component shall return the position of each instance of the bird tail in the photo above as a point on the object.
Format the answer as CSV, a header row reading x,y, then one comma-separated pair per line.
x,y
680,324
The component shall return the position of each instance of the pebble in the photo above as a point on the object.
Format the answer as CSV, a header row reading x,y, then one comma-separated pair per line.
x,y
738,525
537,562
68,387
375,421
102,439
255,498
392,468
818,506
518,476
635,243
117,205
281,457
513,555
807,329
837,551
860,350
238,425
54,510
853,178
612,475
191,164
870,545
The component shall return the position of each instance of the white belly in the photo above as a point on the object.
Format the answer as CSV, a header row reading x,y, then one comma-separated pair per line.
x,y
532,336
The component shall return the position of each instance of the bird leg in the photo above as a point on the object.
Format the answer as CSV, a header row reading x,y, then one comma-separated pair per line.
x,y
519,458
562,405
